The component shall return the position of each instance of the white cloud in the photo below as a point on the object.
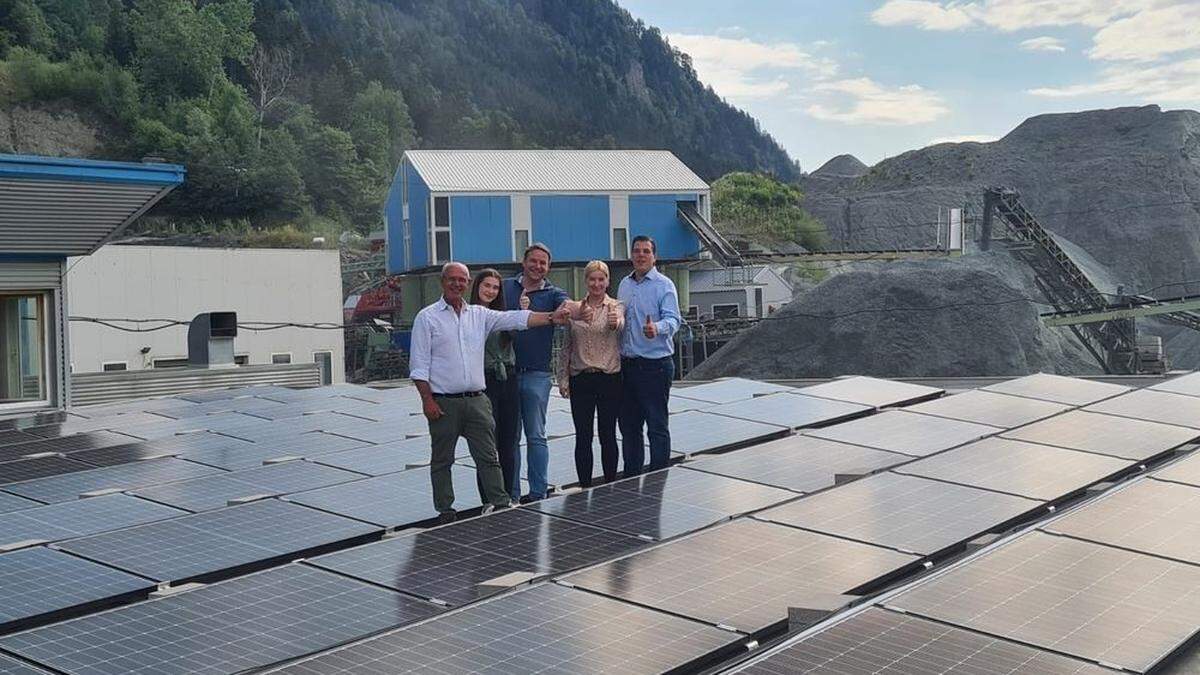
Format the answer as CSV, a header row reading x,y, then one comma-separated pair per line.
x,y
1172,82
740,68
965,138
1149,34
1043,44
863,101
924,14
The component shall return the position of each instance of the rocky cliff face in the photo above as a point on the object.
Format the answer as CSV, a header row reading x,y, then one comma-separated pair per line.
x,y
1121,187
54,131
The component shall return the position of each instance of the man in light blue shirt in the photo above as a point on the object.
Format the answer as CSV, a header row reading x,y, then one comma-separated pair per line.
x,y
647,358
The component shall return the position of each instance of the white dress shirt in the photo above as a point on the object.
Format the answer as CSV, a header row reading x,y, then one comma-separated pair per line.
x,y
447,346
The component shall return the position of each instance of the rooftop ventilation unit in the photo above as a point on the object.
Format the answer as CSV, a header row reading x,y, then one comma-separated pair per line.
x,y
210,340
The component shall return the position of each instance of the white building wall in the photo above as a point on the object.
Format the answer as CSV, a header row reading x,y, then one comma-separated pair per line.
x,y
169,282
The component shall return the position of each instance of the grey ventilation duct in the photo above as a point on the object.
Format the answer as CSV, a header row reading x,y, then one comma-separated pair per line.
x,y
210,340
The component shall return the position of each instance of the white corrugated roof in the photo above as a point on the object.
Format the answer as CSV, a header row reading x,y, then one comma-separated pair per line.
x,y
554,171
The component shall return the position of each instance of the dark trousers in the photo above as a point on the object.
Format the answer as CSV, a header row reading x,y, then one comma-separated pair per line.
x,y
506,410
645,391
592,395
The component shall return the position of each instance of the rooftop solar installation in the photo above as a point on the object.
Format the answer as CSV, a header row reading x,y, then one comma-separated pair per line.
x,y
38,581
1184,384
393,429
229,627
218,490
85,441
719,493
38,467
67,487
10,436
1027,469
78,425
985,407
1059,389
879,641
547,628
1092,601
904,432
182,444
744,574
872,391
1149,516
1105,435
10,666
242,404
192,546
730,390
697,431
791,410
1186,471
1154,406
391,500
246,456
552,544
559,423
376,460
80,518
906,513
9,503
678,404
800,463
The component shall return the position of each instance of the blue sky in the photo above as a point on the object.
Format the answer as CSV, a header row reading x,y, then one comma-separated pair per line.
x,y
875,78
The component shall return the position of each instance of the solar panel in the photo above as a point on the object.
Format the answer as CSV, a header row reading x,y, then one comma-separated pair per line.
x,y
121,407
233,626
903,512
730,390
546,628
1150,516
1105,435
80,518
698,431
168,428
182,444
242,404
389,430
192,546
706,490
206,395
85,441
1025,469
1059,389
559,423
744,574
872,391
70,486
1154,406
678,404
1096,602
246,455
78,425
376,460
1184,384
391,500
14,503
216,491
904,432
800,463
878,641
40,419
791,410
1185,471
38,467
10,436
985,407
38,581
9,666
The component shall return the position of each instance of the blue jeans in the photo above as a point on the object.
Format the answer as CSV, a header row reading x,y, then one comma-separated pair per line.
x,y
646,389
534,388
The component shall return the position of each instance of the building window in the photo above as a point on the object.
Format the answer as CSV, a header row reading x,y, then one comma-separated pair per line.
x,y
177,362
441,246
114,366
520,243
693,313
279,359
620,243
324,361
441,230
23,340
724,311
241,359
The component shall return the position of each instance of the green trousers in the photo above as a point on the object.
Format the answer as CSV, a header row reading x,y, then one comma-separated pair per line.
x,y
469,418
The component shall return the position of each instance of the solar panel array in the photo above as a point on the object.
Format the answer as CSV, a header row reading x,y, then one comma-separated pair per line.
x,y
681,567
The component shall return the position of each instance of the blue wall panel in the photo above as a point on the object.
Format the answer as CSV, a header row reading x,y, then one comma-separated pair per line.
x,y
656,215
418,215
575,227
481,229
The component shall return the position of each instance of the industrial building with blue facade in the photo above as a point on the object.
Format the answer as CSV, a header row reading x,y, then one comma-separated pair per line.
x,y
483,207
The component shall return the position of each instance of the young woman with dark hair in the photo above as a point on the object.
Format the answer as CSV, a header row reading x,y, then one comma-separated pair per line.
x,y
499,363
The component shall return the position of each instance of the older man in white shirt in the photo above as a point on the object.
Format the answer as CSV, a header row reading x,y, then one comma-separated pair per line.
x,y
446,365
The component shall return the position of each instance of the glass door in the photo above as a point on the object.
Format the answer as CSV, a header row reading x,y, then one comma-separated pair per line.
x,y
23,349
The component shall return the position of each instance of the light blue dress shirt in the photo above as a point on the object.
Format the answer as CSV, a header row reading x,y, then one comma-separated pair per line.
x,y
653,296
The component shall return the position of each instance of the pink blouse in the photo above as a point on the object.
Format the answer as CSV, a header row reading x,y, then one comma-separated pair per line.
x,y
593,346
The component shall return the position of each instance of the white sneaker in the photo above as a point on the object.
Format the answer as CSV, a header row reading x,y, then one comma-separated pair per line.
x,y
487,508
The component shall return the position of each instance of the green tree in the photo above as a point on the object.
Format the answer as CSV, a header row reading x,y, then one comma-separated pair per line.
x,y
381,127
180,50
759,207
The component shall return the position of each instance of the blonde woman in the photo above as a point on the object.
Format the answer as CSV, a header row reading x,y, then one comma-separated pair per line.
x,y
589,373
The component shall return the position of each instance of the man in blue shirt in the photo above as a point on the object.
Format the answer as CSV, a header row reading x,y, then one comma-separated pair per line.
x,y
647,357
530,290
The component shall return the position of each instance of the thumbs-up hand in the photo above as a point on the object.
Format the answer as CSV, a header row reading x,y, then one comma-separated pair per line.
x,y
587,312
612,317
650,330
523,301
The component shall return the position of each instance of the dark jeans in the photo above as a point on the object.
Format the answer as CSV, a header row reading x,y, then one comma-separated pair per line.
x,y
507,412
595,394
646,388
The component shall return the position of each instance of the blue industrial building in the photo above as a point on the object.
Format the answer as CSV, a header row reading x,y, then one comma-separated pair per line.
x,y
483,207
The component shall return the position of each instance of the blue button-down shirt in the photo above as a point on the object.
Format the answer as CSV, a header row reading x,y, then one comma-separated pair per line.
x,y
533,347
653,296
